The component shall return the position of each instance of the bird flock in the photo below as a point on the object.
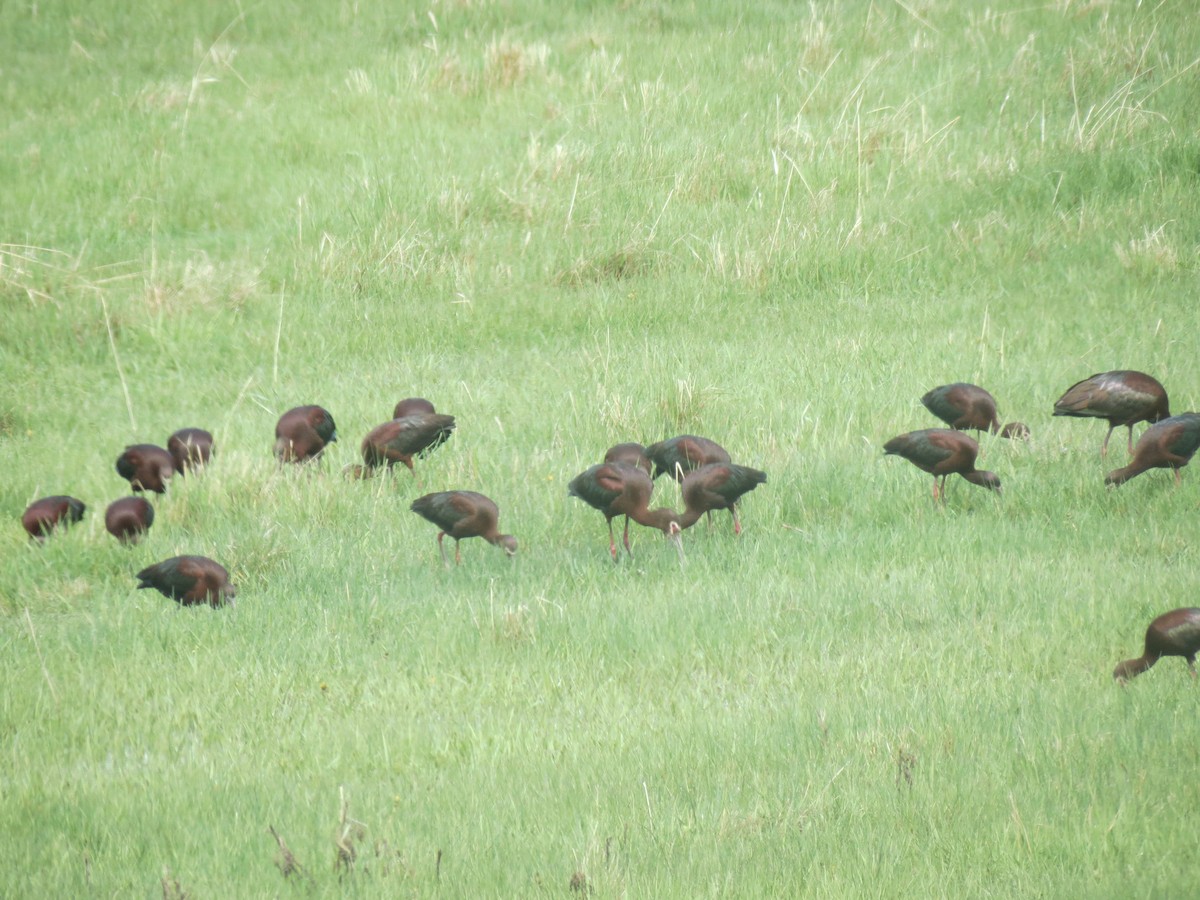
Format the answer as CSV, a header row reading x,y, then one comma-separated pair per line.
x,y
622,484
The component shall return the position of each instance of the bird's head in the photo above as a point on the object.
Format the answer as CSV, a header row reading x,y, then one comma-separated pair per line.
x,y
508,544
1017,431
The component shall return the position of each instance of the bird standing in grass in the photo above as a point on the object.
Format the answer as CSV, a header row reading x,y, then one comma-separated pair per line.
x,y
463,514
402,439
146,467
190,448
189,581
129,518
679,455
1176,633
1123,397
43,516
303,433
619,489
717,486
1169,444
942,452
965,406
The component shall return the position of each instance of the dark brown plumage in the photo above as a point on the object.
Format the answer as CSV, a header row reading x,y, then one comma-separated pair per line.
x,y
463,514
717,486
619,489
146,467
412,406
189,581
303,433
1169,444
965,406
942,452
402,439
190,448
129,518
679,455
42,516
1176,633
632,453
1122,397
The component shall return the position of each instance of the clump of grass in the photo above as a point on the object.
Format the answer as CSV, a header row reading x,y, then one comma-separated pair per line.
x,y
635,259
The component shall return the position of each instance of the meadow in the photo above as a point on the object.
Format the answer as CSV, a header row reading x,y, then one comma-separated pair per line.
x,y
571,225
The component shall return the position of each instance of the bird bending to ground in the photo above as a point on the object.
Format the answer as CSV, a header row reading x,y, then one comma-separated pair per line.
x,y
619,489
146,467
632,453
1122,397
402,439
679,455
1176,633
190,448
942,452
463,514
717,486
303,433
1169,444
189,581
42,516
965,406
129,518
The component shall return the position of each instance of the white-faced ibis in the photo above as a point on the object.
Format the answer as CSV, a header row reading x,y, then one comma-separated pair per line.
x,y
411,406
632,453
146,467
679,455
1176,633
402,439
302,433
1122,398
942,452
717,486
189,580
965,406
1169,444
463,514
619,489
190,448
43,516
129,518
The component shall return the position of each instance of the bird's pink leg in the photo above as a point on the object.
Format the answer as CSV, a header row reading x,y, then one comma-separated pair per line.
x,y
612,544
737,525
1130,444
457,556
627,550
935,489
1178,482
1104,446
442,550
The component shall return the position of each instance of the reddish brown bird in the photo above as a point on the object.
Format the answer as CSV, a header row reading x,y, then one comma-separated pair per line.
x,y
1176,633
619,489
942,452
190,448
129,518
189,581
679,455
303,433
1123,397
632,453
402,439
463,514
965,406
717,486
146,467
411,406
1169,444
43,516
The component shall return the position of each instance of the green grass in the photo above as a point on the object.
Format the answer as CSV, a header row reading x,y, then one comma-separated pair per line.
x,y
569,227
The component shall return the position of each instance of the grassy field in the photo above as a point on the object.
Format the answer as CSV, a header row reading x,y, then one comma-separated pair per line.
x,y
571,225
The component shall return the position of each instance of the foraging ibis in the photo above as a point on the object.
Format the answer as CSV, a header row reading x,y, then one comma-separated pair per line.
x,y
1176,633
411,406
43,516
401,439
942,452
190,448
965,406
1169,444
463,514
1122,397
619,489
146,467
679,455
717,486
303,433
129,518
189,581
632,453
